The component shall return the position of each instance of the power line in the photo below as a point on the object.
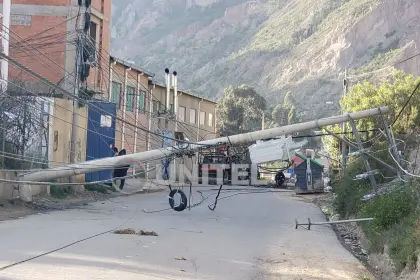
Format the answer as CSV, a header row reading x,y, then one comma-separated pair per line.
x,y
406,103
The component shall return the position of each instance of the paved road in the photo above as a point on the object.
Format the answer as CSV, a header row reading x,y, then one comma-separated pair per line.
x,y
246,237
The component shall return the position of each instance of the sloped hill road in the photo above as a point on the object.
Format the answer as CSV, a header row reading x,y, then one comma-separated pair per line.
x,y
248,236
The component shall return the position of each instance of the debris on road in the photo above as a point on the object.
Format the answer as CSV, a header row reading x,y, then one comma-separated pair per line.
x,y
180,259
125,231
133,231
147,233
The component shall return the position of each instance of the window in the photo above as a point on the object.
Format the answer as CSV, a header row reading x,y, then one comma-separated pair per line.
x,y
129,99
210,119
141,101
181,114
193,116
92,31
202,118
116,93
171,108
155,107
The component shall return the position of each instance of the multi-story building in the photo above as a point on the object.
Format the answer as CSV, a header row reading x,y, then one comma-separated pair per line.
x,y
141,107
129,91
44,37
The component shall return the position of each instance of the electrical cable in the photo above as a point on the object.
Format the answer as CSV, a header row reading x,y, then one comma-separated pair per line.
x,y
68,245
215,200
406,103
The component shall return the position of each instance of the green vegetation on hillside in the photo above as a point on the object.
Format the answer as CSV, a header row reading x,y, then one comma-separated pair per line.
x,y
300,20
396,224
379,61
396,216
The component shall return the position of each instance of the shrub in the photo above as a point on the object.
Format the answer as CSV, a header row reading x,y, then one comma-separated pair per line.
x,y
389,210
349,192
58,192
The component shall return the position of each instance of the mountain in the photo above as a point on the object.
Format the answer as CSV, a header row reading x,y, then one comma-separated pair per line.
x,y
275,46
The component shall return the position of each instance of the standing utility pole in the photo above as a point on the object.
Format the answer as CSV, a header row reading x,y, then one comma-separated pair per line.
x,y
364,157
343,144
5,66
263,121
5,43
149,127
78,72
176,107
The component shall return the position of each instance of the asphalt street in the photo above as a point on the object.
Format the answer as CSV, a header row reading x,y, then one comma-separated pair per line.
x,y
248,236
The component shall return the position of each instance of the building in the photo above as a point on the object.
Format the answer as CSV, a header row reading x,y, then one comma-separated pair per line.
x,y
129,91
44,37
196,115
141,107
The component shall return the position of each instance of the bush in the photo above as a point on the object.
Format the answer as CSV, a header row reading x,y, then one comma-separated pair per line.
x,y
390,209
58,192
100,188
349,192
396,224
405,243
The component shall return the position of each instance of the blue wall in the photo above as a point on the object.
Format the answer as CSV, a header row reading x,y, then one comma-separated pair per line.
x,y
100,137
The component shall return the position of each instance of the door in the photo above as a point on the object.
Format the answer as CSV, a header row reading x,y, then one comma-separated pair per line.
x,y
100,136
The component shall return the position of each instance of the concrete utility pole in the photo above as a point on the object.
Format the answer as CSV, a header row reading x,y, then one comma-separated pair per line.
x,y
176,105
79,54
263,121
344,126
149,127
5,65
107,163
5,43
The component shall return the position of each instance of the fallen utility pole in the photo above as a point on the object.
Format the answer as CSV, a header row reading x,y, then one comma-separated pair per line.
x,y
109,163
363,151
309,223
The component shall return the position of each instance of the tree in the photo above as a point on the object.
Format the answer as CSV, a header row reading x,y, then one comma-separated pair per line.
x,y
21,129
280,115
240,110
393,93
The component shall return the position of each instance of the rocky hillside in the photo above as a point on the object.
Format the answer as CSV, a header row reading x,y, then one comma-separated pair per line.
x,y
274,45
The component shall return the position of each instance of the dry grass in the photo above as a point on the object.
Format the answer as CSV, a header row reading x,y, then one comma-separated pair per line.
x,y
147,233
133,231
125,231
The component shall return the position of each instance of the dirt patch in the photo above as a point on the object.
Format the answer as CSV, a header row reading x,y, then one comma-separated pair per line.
x,y
15,209
11,209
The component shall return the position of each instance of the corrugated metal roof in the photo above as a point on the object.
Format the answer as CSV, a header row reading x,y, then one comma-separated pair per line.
x,y
131,65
